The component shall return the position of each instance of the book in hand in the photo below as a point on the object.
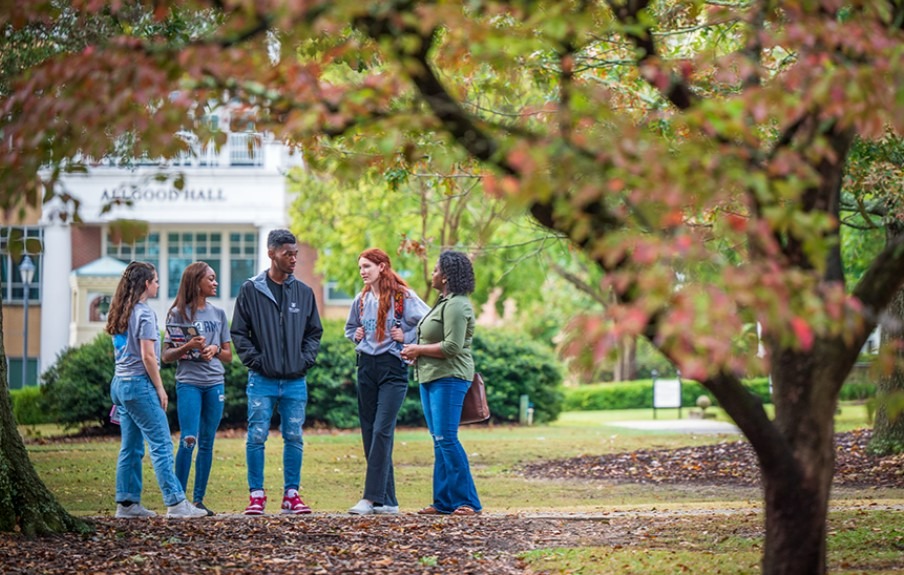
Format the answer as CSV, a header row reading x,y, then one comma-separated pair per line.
x,y
179,334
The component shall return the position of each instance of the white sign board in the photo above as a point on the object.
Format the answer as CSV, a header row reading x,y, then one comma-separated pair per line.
x,y
666,393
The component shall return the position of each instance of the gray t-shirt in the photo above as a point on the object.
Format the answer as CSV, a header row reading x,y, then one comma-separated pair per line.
x,y
211,323
127,346
414,310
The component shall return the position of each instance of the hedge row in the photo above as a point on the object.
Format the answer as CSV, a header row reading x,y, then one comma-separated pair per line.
x,y
29,406
77,387
639,394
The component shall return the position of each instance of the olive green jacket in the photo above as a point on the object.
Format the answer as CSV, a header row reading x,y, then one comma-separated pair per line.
x,y
450,323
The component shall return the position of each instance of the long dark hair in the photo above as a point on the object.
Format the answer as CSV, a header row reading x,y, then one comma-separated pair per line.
x,y
189,295
132,285
390,283
458,272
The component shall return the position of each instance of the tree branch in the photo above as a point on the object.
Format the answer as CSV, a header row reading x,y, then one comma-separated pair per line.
x,y
580,284
881,281
628,14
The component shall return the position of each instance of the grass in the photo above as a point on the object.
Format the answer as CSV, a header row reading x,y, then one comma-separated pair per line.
x,y
82,474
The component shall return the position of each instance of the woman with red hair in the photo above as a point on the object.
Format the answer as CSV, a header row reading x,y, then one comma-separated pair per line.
x,y
383,317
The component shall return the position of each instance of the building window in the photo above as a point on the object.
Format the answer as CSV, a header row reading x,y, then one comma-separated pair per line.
x,y
14,372
242,260
183,248
146,249
335,296
14,243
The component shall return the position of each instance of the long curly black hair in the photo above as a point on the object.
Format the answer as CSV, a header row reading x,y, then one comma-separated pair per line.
x,y
457,271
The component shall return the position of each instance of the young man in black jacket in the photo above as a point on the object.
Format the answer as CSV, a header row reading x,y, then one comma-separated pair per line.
x,y
276,331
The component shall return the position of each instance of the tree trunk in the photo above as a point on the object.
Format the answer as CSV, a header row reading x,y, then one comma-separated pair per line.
x,y
888,433
26,505
797,473
626,365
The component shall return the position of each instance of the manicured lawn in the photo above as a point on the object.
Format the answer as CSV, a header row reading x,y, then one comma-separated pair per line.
x,y
82,474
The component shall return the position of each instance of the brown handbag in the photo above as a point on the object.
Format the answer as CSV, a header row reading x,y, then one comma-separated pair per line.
x,y
475,408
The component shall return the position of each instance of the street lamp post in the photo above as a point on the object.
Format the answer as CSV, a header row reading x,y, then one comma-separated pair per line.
x,y
27,271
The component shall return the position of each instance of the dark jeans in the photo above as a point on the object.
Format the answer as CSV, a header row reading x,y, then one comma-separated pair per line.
x,y
382,384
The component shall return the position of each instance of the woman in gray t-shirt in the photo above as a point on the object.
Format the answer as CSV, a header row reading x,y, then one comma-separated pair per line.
x,y
197,339
139,398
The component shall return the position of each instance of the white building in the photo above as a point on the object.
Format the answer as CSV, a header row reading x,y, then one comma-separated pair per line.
x,y
226,204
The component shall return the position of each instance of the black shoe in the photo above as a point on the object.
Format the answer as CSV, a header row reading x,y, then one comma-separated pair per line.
x,y
200,506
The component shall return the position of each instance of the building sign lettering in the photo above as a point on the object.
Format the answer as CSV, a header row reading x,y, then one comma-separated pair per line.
x,y
163,195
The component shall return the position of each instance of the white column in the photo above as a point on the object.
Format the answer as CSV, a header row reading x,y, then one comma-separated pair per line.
x,y
56,264
263,260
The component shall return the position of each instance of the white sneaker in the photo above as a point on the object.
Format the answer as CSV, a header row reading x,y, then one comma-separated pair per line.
x,y
386,509
184,510
133,511
364,507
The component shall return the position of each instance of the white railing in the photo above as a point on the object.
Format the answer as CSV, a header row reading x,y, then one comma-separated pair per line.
x,y
240,150
245,150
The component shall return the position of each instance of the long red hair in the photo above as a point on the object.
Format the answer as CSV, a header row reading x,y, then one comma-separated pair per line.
x,y
389,284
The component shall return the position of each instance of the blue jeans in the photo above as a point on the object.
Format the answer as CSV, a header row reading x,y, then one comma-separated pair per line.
x,y
289,396
382,385
200,409
142,419
453,485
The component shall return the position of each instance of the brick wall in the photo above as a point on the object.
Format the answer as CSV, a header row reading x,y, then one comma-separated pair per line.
x,y
86,245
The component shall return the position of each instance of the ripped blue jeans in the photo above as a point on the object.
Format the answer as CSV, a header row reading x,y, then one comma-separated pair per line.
x,y
200,408
289,397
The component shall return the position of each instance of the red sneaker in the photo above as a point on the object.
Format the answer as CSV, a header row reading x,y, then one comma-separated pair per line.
x,y
256,505
294,505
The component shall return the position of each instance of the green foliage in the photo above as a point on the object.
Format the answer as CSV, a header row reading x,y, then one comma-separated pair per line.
x,y
77,385
860,384
413,218
512,367
332,397
621,395
639,394
29,406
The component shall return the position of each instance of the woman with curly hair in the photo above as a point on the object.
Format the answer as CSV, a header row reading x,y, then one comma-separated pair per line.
x,y
200,372
139,398
382,318
445,369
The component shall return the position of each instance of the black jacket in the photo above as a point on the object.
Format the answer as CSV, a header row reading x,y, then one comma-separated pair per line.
x,y
277,343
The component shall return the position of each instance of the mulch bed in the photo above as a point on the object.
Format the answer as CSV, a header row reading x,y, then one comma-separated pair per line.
x,y
725,463
313,544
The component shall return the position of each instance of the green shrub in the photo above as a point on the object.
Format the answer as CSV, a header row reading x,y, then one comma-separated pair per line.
x,y
639,394
860,384
235,409
600,396
29,407
512,367
332,398
77,385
